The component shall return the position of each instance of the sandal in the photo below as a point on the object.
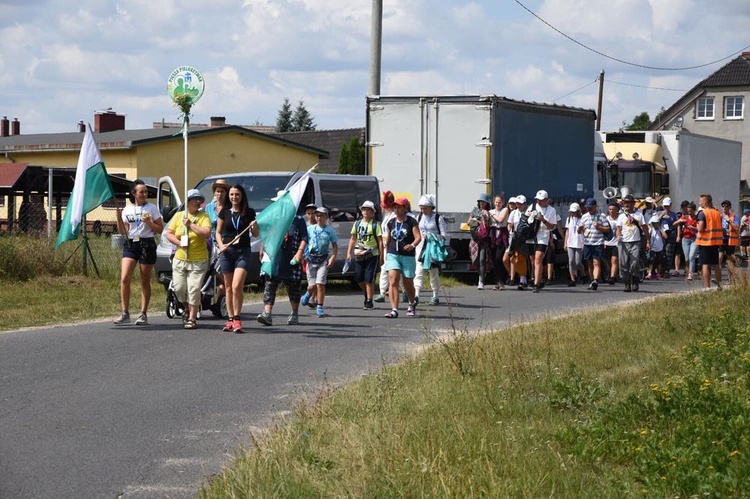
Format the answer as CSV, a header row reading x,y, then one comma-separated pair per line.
x,y
393,314
190,324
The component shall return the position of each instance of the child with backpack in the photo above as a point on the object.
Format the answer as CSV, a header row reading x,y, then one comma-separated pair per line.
x,y
365,244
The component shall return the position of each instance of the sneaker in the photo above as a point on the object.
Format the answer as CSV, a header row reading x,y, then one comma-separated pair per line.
x,y
142,319
593,286
411,311
265,318
229,326
293,319
521,287
379,298
690,276
648,276
123,319
435,301
305,299
611,281
658,277
571,284
320,312
537,289
236,326
480,285
393,314
368,305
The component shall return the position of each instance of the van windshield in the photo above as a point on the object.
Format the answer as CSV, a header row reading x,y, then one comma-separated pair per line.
x,y
260,189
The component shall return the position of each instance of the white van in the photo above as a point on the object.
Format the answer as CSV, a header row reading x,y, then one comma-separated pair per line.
x,y
341,194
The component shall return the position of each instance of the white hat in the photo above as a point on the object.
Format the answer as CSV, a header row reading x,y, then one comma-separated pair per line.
x,y
368,204
541,195
426,201
512,200
655,219
521,199
195,194
667,201
649,199
574,207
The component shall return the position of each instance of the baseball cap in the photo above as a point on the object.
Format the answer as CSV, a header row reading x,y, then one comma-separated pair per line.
x,y
654,220
512,200
726,202
195,194
368,204
590,202
666,201
402,201
649,199
521,199
322,209
311,206
574,207
541,195
746,212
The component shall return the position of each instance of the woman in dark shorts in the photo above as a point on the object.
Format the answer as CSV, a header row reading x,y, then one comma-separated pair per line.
x,y
233,230
141,223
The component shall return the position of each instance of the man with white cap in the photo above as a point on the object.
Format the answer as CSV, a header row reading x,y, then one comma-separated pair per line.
x,y
667,219
547,217
518,258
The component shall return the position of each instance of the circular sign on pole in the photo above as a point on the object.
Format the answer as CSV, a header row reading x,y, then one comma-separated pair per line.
x,y
185,80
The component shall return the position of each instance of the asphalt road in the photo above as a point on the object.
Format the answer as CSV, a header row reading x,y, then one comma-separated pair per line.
x,y
96,410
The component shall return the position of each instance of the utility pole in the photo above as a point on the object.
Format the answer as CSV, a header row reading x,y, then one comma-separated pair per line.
x,y
599,108
376,39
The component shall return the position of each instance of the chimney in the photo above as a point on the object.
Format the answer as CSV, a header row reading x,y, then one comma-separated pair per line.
x,y
108,121
746,55
4,127
81,126
15,127
218,121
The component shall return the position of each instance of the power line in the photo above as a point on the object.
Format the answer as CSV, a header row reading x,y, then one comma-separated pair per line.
x,y
621,60
644,86
577,90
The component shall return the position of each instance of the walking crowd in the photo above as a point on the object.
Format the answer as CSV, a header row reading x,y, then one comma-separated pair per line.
x,y
512,244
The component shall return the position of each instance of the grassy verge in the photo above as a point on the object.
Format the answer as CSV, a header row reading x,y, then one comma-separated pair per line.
x,y
642,400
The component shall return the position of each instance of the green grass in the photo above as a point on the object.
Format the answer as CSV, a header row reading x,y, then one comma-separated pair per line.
x,y
640,400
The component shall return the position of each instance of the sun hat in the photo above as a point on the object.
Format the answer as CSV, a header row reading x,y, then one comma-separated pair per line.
x,y
574,207
649,199
195,194
590,202
322,209
541,195
220,183
484,197
368,204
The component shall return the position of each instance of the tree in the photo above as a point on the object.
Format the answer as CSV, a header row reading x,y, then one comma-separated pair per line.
x,y
352,158
640,122
302,121
284,119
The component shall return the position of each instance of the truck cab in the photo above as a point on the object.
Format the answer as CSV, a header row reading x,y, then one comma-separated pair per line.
x,y
635,165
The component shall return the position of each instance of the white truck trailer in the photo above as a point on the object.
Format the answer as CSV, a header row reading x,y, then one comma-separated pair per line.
x,y
457,147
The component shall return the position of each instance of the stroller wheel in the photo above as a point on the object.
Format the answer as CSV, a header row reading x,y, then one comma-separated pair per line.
x,y
219,309
174,308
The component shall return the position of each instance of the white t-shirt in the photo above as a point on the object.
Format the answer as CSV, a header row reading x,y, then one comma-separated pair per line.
x,y
550,215
657,242
575,240
513,218
630,232
612,234
496,213
132,215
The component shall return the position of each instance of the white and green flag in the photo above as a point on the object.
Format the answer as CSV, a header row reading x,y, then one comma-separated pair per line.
x,y
90,190
274,221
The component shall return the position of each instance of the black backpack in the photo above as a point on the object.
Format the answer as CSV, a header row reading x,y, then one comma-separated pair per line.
x,y
525,229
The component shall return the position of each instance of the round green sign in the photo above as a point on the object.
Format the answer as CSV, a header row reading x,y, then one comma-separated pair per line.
x,y
185,80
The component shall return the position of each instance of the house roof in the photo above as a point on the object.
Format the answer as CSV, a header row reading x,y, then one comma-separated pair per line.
x,y
328,140
736,73
128,139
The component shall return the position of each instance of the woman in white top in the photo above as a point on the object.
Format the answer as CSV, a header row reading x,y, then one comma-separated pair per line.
x,y
499,232
429,223
573,242
141,223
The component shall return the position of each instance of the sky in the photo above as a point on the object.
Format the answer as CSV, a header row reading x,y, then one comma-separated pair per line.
x,y
61,61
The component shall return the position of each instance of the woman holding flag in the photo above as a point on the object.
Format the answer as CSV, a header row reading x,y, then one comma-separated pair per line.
x,y
233,230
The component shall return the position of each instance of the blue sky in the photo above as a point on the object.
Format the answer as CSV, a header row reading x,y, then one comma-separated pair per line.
x,y
62,61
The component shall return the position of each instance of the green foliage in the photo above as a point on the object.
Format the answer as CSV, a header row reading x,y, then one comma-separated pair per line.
x,y
688,435
302,121
352,158
284,118
25,257
640,122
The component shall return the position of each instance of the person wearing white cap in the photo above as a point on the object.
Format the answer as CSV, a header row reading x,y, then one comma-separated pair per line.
x,y
516,259
365,243
655,248
547,217
431,225
667,219
573,242
189,230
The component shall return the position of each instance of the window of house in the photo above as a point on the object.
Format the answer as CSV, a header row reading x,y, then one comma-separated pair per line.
x,y
705,108
2,201
733,108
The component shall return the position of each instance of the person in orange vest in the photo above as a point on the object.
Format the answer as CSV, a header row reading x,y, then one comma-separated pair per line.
x,y
709,240
730,224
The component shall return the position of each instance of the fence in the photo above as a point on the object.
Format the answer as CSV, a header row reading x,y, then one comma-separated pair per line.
x,y
27,244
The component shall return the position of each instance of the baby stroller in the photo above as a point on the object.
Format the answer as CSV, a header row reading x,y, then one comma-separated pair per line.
x,y
209,292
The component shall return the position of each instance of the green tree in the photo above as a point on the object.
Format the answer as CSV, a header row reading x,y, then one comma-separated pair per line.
x,y
302,121
284,119
640,122
352,158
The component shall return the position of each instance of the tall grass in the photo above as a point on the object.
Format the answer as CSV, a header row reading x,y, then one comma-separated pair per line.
x,y
537,410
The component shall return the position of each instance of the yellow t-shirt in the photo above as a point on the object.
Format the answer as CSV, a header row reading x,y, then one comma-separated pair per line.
x,y
197,250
